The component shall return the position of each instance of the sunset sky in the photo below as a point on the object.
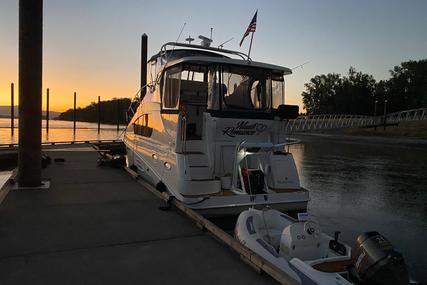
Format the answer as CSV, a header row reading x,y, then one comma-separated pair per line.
x,y
93,46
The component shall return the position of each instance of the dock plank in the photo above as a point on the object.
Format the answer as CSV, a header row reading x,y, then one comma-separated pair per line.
x,y
97,225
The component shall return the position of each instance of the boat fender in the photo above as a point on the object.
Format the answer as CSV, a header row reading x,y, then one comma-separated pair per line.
x,y
161,187
168,204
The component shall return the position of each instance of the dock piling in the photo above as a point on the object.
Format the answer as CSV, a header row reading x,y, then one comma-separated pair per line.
x,y
118,114
12,109
99,115
47,110
74,114
30,92
144,49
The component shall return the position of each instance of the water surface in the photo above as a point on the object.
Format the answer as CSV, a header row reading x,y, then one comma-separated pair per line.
x,y
358,186
61,131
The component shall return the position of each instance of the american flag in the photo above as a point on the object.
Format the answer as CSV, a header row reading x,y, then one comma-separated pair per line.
x,y
251,28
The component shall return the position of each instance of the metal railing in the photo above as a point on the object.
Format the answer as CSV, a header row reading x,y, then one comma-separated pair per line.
x,y
408,115
337,121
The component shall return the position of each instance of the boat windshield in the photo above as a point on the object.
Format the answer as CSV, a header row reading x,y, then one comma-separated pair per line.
x,y
237,88
222,88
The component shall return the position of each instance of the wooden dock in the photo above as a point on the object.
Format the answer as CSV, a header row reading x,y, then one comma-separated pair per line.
x,y
97,225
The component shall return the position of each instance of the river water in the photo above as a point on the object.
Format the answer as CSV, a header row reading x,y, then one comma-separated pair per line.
x,y
362,185
355,185
61,131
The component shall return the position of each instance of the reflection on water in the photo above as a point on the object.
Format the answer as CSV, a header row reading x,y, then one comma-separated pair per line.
x,y
357,187
63,131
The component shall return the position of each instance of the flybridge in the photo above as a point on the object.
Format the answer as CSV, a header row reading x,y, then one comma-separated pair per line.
x,y
164,51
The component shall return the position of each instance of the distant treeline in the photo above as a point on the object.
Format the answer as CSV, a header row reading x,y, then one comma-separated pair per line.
x,y
111,111
357,92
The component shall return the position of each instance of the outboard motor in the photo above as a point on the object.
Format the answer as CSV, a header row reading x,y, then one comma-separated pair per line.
x,y
376,262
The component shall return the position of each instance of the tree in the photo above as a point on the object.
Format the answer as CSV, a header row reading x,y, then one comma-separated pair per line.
x,y
407,87
333,94
109,112
320,92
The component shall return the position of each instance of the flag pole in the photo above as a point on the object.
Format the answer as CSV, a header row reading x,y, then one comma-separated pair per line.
x,y
250,45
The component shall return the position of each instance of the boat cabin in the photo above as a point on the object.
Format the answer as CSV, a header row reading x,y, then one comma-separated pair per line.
x,y
213,122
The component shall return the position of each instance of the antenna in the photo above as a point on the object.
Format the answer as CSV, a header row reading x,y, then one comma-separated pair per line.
x,y
206,42
211,33
177,39
222,45
300,66
189,39
182,29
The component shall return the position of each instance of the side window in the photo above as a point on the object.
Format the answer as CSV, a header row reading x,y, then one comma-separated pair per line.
x,y
278,90
141,126
171,89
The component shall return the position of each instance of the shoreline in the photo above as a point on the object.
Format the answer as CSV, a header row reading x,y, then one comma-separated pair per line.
x,y
364,139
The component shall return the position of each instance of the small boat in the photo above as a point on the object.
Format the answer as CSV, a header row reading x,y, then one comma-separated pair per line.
x,y
299,249
208,128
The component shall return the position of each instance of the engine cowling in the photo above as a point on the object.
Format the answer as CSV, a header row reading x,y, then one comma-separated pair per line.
x,y
376,262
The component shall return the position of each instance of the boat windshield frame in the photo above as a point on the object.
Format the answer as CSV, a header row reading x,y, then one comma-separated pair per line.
x,y
221,108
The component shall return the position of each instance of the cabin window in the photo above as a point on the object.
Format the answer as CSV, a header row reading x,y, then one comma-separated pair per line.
x,y
171,89
185,85
278,92
242,88
141,126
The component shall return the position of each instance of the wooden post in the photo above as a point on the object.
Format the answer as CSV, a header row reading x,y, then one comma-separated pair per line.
x,y
144,49
47,110
30,92
118,114
74,114
99,115
12,109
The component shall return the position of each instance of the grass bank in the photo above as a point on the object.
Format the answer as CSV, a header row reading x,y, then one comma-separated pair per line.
x,y
415,129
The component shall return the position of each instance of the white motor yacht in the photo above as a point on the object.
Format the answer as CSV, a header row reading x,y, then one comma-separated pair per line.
x,y
209,130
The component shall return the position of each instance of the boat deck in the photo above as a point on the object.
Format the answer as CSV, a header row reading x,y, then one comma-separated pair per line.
x,y
96,225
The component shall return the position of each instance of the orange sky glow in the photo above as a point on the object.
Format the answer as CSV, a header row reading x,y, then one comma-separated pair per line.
x,y
93,47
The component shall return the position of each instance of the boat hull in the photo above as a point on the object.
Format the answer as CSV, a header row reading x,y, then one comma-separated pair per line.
x,y
220,204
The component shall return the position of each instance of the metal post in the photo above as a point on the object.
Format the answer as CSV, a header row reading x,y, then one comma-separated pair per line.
x,y
74,114
250,45
375,114
375,108
385,114
99,115
47,110
30,92
144,49
118,114
12,109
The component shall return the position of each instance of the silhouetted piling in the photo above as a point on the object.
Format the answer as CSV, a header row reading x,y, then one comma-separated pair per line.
x,y
12,109
74,114
144,49
47,110
99,115
30,92
118,114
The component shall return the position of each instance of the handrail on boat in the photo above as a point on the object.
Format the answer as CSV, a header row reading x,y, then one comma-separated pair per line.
x,y
163,50
183,133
